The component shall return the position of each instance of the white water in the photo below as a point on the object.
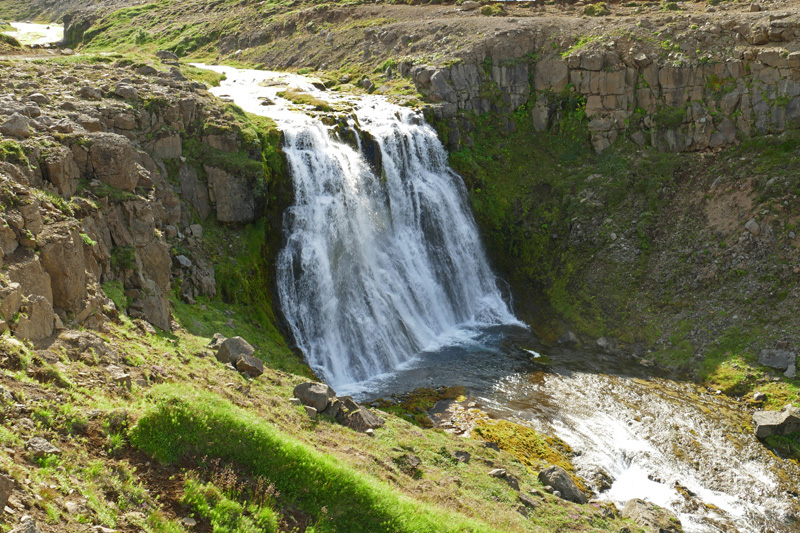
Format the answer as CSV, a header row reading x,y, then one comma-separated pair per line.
x,y
376,267
36,34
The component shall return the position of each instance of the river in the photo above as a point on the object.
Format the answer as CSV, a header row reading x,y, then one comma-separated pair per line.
x,y
657,437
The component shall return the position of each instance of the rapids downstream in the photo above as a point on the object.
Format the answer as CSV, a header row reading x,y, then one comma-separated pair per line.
x,y
385,286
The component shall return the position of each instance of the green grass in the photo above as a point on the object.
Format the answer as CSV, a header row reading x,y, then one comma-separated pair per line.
x,y
12,152
186,422
302,98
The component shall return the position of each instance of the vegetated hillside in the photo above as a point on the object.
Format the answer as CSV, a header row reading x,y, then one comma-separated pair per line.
x,y
133,230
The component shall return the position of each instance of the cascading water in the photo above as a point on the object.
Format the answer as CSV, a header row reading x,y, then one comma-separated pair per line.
x,y
381,261
379,266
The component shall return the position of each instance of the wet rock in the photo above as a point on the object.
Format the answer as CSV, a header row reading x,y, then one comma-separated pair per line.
x,y
231,350
651,517
317,395
252,366
41,447
780,359
782,422
16,126
569,340
560,480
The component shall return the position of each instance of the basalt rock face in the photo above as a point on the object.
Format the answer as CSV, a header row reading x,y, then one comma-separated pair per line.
x,y
672,104
90,196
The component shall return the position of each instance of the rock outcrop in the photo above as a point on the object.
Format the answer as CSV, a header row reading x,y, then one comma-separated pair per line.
x,y
561,481
650,517
783,422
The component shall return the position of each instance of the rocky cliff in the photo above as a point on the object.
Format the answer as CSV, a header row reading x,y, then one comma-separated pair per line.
x,y
106,171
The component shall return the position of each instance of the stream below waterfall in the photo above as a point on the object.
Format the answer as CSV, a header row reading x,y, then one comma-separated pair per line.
x,y
658,438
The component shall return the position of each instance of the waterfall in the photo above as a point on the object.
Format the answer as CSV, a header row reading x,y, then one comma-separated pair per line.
x,y
379,263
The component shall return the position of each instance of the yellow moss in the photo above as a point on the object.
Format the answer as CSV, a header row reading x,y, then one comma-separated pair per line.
x,y
532,449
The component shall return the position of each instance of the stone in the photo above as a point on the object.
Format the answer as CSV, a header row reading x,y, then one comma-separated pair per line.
x,y
126,91
196,230
295,401
759,397
252,366
232,349
782,422
774,358
604,345
497,472
6,488
37,320
317,395
119,376
61,254
41,447
233,195
10,300
168,147
791,371
500,473
60,168
755,8
528,501
90,93
753,227
111,157
470,5
188,521
146,70
311,412
358,418
551,74
183,261
165,54
560,480
217,340
462,456
650,517
27,525
569,340
16,126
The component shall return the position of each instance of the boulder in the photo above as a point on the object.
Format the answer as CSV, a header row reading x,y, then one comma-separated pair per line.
x,y
113,162
123,90
569,339
560,480
604,345
249,365
16,126
165,54
357,417
317,395
40,447
217,340
231,350
782,422
753,227
651,517
780,359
